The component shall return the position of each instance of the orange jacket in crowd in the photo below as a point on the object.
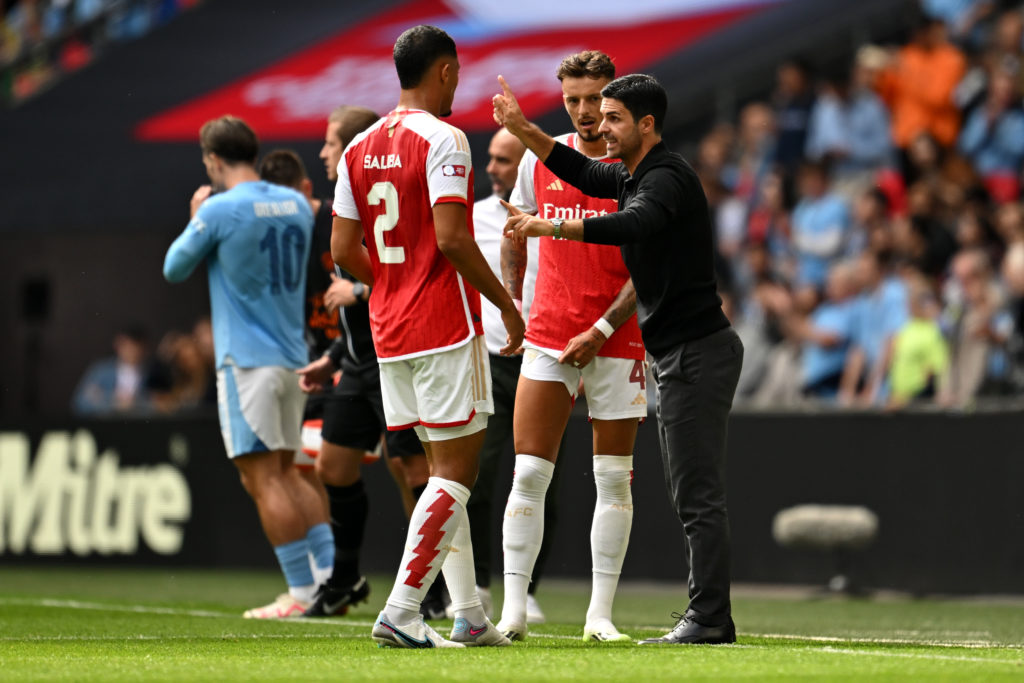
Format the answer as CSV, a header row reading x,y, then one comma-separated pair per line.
x,y
918,88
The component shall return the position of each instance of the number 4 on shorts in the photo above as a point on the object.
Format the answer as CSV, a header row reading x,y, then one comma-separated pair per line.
x,y
638,375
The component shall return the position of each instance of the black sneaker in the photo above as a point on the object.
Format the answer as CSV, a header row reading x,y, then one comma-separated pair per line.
x,y
436,601
331,601
689,632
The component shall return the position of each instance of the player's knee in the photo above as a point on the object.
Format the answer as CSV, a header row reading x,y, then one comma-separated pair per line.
x,y
532,479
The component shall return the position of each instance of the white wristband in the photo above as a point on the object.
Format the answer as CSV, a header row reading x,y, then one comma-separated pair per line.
x,y
605,328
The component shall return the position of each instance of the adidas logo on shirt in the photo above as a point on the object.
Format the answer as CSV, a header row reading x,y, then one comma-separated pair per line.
x,y
640,400
557,185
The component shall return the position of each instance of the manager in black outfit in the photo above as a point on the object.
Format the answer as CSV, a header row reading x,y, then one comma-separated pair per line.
x,y
665,232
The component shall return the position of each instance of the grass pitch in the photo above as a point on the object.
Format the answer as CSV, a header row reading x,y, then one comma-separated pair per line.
x,y
110,625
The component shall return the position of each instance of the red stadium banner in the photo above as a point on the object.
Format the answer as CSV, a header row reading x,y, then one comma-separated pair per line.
x,y
291,99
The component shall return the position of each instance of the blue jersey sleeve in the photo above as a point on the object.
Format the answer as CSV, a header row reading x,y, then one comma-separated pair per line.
x,y
192,245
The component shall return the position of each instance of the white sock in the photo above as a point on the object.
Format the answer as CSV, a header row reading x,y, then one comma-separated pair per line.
x,y
523,531
435,519
609,533
303,593
460,575
320,575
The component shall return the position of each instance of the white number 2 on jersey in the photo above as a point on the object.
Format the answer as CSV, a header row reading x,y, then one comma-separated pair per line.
x,y
386,192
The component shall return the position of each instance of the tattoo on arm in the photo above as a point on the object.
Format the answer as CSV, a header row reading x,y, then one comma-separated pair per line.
x,y
623,307
513,266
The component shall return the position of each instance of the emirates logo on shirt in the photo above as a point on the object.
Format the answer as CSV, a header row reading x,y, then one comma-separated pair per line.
x,y
453,170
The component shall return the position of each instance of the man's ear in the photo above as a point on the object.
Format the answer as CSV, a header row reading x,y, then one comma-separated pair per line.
x,y
307,188
646,124
445,71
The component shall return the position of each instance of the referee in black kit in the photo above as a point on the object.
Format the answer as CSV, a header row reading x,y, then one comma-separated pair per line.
x,y
665,232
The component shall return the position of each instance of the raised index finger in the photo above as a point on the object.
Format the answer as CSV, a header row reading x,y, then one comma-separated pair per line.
x,y
504,86
512,210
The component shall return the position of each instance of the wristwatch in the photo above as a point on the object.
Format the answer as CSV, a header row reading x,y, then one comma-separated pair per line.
x,y
358,289
557,224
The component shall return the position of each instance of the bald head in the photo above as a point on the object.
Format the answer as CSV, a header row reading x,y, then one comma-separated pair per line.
x,y
505,151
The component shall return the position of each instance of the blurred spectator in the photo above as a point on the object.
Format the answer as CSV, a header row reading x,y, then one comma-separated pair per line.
x,y
118,384
881,310
827,334
974,231
962,18
1004,52
755,149
850,129
794,99
1009,222
42,39
993,137
871,226
918,87
978,326
820,224
184,374
920,356
769,223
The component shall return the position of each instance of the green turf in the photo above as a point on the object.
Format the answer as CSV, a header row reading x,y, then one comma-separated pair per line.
x,y
88,624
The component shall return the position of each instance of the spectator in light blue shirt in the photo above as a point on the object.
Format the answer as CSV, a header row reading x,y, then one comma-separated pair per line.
x,y
820,224
828,333
961,17
993,137
850,127
881,311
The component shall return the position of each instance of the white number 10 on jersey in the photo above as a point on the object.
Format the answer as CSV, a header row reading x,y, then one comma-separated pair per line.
x,y
386,192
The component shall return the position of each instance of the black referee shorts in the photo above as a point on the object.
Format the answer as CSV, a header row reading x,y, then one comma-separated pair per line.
x,y
354,415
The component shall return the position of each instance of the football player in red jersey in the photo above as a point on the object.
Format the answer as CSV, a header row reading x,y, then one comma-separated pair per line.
x,y
582,327
405,185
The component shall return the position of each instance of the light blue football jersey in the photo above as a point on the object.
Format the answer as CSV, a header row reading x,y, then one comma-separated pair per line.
x,y
255,239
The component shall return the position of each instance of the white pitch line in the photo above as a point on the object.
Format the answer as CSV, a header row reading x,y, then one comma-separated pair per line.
x,y
335,623
916,655
974,644
98,606
143,637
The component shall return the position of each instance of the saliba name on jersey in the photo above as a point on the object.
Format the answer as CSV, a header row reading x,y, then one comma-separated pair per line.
x,y
382,161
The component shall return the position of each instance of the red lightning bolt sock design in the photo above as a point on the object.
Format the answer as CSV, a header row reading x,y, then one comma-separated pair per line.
x,y
431,530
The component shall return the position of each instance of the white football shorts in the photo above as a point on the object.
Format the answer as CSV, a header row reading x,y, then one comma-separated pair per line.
x,y
616,388
448,393
260,409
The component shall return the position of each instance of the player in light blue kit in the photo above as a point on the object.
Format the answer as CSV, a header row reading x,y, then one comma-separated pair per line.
x,y
255,237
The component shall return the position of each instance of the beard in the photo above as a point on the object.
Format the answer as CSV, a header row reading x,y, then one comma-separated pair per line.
x,y
592,136
505,192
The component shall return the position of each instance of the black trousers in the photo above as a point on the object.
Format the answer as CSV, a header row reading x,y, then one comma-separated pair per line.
x,y
480,508
696,383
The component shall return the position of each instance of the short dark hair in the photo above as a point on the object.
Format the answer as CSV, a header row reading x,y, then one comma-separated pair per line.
x,y
230,138
417,49
353,120
283,167
587,64
642,95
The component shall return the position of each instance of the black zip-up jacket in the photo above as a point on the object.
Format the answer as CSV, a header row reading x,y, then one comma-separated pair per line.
x,y
664,230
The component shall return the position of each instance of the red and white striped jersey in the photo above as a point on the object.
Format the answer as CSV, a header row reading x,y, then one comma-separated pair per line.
x,y
389,178
576,282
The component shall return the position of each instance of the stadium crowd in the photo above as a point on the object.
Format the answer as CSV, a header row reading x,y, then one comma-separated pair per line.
x,y
40,40
870,227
